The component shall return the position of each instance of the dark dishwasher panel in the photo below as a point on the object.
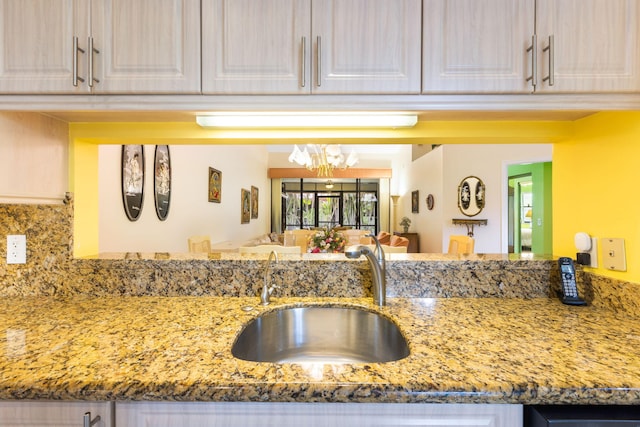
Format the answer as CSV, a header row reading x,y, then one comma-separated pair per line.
x,y
581,416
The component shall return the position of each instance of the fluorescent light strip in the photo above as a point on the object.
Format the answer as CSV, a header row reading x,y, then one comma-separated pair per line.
x,y
306,120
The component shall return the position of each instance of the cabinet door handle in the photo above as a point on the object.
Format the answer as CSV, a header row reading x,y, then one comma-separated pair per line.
x,y
304,62
92,50
534,61
76,49
551,61
319,61
87,421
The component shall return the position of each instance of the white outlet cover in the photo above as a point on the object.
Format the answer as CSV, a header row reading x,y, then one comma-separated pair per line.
x,y
613,254
16,249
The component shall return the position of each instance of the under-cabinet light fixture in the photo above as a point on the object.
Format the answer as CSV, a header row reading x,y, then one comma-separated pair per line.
x,y
308,120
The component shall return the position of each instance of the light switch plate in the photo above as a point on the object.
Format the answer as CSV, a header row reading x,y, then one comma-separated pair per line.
x,y
613,254
16,249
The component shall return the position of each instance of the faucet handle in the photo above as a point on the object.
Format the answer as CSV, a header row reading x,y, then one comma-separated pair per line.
x,y
379,250
265,295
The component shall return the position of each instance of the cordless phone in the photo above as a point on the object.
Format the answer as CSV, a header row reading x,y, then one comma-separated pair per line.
x,y
568,278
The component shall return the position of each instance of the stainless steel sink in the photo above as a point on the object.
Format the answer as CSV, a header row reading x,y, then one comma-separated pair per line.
x,y
321,334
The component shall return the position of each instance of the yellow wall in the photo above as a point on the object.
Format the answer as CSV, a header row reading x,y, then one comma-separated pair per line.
x,y
83,180
596,177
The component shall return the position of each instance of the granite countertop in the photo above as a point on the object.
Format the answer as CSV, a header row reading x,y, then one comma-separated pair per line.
x,y
475,350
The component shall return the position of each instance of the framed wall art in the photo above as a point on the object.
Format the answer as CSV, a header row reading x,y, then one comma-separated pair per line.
x,y
215,185
254,202
162,181
430,201
415,201
471,196
245,206
132,164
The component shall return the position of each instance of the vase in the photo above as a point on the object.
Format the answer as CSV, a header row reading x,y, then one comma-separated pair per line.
x,y
406,230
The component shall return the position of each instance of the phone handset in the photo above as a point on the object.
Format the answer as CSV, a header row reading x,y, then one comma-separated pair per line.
x,y
568,281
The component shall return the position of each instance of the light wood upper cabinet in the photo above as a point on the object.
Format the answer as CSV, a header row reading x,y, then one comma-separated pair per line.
x,y
366,46
255,47
477,45
302,47
140,46
481,46
288,47
146,46
36,50
596,45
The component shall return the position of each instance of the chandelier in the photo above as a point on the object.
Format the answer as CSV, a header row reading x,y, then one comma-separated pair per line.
x,y
323,158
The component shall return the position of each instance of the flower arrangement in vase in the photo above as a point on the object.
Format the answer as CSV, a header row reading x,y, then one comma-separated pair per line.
x,y
326,241
405,223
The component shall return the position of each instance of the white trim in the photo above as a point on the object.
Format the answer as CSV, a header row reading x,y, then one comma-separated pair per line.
x,y
196,103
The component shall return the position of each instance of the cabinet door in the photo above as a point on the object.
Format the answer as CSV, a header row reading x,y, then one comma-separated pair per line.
x,y
38,413
146,46
256,47
36,46
366,46
596,45
247,414
477,46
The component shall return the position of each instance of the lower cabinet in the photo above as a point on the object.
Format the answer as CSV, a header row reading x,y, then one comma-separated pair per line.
x,y
229,414
22,413
38,413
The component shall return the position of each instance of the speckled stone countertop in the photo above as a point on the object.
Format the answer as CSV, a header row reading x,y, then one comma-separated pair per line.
x,y
476,350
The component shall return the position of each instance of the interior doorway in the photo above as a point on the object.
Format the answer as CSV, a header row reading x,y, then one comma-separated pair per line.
x,y
520,221
529,212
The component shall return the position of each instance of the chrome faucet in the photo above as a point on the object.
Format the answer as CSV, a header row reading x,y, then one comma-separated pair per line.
x,y
267,290
377,268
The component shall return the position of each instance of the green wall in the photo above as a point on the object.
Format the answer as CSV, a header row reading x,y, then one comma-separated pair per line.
x,y
542,220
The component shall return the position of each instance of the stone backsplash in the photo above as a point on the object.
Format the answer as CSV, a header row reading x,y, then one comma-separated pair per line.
x,y
49,231
51,270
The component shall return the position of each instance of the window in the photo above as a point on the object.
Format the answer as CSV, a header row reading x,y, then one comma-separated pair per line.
x,y
350,203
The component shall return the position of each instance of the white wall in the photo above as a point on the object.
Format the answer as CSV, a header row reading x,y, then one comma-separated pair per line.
x,y
399,185
446,167
190,212
427,176
34,158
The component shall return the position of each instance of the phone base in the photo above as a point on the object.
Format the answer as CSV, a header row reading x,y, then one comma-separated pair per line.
x,y
573,301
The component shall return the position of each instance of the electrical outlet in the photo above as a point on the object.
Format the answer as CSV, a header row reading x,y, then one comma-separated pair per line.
x,y
17,249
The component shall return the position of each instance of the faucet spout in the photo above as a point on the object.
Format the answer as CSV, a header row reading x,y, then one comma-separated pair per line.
x,y
378,269
265,295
